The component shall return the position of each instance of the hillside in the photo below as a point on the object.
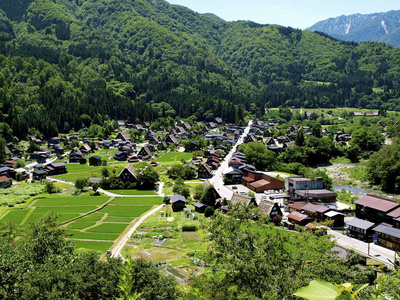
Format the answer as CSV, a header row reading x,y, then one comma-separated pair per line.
x,y
69,63
377,27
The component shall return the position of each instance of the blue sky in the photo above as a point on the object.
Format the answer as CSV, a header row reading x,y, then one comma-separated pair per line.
x,y
294,13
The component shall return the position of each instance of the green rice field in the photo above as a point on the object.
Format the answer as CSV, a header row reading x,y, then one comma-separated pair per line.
x,y
109,228
138,200
70,200
93,235
16,216
174,156
133,192
125,211
97,246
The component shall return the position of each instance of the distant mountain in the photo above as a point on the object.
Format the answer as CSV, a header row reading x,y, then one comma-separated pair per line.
x,y
377,27
68,63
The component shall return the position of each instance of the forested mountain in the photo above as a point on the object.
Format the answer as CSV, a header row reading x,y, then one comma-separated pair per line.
x,y
377,27
64,63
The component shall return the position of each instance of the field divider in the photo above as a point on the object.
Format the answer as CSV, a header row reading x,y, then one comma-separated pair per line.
x,y
88,213
28,215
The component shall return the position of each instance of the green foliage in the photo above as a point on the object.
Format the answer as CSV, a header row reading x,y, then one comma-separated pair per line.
x,y
81,183
50,187
319,289
258,155
208,212
384,167
147,178
189,228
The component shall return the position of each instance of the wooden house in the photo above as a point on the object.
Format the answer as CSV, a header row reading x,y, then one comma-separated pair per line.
x,y
360,229
128,174
56,168
299,218
178,202
5,182
124,136
95,160
200,207
204,171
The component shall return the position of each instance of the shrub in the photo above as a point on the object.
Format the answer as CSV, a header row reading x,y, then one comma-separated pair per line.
x,y
209,212
189,228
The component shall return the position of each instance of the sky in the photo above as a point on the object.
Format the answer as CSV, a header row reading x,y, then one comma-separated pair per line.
x,y
295,13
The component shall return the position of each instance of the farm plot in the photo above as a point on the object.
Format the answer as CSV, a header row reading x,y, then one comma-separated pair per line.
x,y
174,156
68,201
137,201
76,171
109,228
133,192
125,211
100,247
16,216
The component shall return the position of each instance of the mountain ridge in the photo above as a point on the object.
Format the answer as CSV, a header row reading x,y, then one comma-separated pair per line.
x,y
66,61
376,27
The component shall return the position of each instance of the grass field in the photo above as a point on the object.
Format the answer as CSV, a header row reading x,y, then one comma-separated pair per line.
x,y
71,201
175,156
134,192
76,171
92,235
16,216
80,225
125,211
109,228
138,200
100,247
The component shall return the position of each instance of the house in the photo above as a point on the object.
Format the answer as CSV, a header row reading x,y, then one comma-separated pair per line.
x,y
204,171
121,123
234,173
302,188
76,157
144,153
239,198
85,149
299,218
5,182
360,229
376,209
178,202
200,207
56,168
315,211
269,208
171,139
95,180
124,136
121,156
259,182
4,171
388,236
95,160
250,138
128,174
335,216
39,174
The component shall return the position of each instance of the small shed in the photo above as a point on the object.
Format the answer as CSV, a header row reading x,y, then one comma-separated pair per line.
x,y
178,202
200,207
95,160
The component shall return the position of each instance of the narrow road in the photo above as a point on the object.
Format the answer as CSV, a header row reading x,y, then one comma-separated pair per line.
x,y
217,179
121,241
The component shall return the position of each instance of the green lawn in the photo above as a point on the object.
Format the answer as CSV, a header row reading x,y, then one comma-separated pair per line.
x,y
138,200
68,200
16,216
175,156
109,228
133,192
64,209
92,245
125,211
92,235
118,219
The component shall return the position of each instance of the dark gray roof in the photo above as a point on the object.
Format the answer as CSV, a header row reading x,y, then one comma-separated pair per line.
x,y
177,198
360,223
199,205
387,229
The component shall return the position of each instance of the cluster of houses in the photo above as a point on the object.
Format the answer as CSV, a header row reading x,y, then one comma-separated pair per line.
x,y
376,216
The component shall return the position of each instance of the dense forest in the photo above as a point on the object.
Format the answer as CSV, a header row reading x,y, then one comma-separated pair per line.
x,y
71,63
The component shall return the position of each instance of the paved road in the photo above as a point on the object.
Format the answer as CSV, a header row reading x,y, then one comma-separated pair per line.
x,y
376,252
217,179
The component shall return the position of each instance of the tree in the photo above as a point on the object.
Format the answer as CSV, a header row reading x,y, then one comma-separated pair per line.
x,y
258,155
209,196
50,187
299,141
3,155
105,173
81,183
147,178
208,212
